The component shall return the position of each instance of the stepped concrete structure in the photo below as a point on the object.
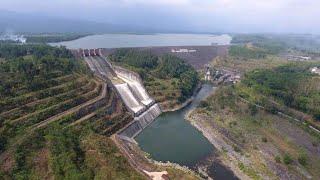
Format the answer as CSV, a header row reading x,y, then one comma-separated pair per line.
x,y
129,87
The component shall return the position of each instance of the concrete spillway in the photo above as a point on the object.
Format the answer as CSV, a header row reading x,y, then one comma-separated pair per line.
x,y
148,116
128,98
141,122
139,91
134,92
90,64
132,130
131,90
135,85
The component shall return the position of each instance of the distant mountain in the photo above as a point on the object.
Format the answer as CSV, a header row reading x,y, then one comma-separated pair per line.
x,y
37,23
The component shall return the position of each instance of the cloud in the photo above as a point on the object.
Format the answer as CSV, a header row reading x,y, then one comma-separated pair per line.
x,y
200,15
157,2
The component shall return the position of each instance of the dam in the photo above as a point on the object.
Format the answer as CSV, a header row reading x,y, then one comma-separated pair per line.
x,y
166,137
129,87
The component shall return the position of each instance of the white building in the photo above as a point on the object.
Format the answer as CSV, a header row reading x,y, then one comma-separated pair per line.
x,y
298,58
315,70
207,76
183,50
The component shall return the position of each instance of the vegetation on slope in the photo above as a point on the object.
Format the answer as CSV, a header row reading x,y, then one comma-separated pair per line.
x,y
167,78
52,38
247,57
247,52
271,44
37,83
280,43
261,143
66,153
292,85
255,122
55,122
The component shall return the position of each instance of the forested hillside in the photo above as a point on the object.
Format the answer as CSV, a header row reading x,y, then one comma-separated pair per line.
x,y
290,85
265,126
280,43
167,78
51,38
56,118
258,142
265,120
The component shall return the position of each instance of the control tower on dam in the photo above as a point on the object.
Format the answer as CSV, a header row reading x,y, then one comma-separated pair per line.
x,y
129,87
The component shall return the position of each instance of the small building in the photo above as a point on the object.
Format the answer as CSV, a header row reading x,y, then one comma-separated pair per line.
x,y
183,50
315,70
207,75
298,58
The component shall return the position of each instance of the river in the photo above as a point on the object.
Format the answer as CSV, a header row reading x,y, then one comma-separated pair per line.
x,y
171,138
148,40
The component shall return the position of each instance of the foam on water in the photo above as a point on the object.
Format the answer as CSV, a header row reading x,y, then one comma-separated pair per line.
x,y
128,98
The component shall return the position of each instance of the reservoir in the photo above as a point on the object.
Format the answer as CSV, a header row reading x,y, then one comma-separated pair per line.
x,y
148,40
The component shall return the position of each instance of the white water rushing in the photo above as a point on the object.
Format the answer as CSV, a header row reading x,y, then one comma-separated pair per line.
x,y
135,96
137,89
128,97
131,91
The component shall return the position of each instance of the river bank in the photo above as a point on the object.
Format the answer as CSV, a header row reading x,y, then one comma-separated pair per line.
x,y
224,151
227,155
178,143
172,138
186,103
150,168
254,143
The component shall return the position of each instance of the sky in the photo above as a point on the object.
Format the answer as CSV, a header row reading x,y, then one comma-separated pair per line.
x,y
246,16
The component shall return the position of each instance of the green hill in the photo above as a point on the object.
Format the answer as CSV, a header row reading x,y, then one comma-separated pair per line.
x,y
168,79
56,118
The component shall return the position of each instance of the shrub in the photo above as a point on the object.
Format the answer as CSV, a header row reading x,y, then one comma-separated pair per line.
x,y
264,139
303,159
287,159
277,159
241,166
3,142
253,109
236,148
315,143
204,104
